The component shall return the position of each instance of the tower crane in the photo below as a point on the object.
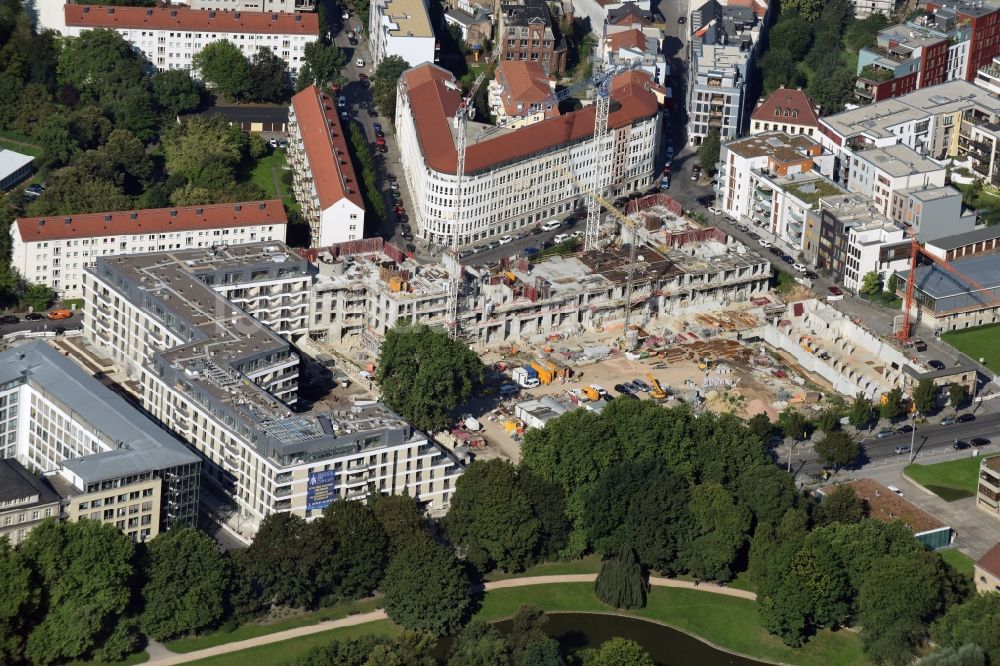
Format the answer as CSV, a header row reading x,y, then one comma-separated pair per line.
x,y
964,280
598,202
601,82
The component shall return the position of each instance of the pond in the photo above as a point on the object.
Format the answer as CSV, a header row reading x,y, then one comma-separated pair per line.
x,y
667,647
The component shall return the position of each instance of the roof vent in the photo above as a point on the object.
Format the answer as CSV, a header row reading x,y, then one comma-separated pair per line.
x,y
236,16
298,18
86,10
133,216
262,205
199,211
173,213
111,10
149,12
237,208
41,223
274,17
67,220
173,13
107,218
211,14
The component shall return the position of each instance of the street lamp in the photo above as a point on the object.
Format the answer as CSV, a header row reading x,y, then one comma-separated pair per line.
x,y
913,433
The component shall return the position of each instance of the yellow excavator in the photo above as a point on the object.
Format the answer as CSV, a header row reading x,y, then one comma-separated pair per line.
x,y
656,392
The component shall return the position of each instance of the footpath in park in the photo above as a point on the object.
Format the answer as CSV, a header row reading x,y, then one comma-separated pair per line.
x,y
162,657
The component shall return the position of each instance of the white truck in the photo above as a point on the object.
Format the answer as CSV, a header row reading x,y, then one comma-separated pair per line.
x,y
524,377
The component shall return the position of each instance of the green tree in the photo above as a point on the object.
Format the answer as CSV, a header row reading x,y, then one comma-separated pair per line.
x,y
808,10
618,651
322,64
766,490
860,413
37,296
793,423
18,600
974,621
424,375
925,396
956,395
224,69
760,425
269,80
177,92
864,32
407,649
892,285
350,549
186,580
400,517
840,506
129,157
342,652
245,595
835,90
708,151
721,529
82,572
792,35
204,150
72,191
892,405
384,83
837,449
55,137
89,127
778,70
491,520
479,644
280,561
528,642
426,588
100,64
548,502
621,582
966,655
871,284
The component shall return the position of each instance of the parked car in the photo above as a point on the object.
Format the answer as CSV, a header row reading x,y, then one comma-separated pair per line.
x,y
359,63
403,217
352,41
559,238
34,316
399,209
9,319
345,15
835,291
60,314
960,445
980,441
505,240
947,421
406,228
966,418
600,389
901,449
621,388
380,141
362,76
812,275
713,210
410,247
551,225
885,432
382,148
378,128
643,386
788,259
33,190
895,489
535,231
569,221
350,33
342,102
936,364
408,236
529,251
764,243
681,20
799,267
755,236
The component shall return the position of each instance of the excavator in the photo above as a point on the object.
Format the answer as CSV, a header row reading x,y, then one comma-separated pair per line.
x,y
656,391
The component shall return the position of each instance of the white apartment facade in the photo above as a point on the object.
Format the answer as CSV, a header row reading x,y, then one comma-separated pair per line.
x,y
400,28
324,181
518,177
286,6
882,173
169,37
56,250
224,386
865,253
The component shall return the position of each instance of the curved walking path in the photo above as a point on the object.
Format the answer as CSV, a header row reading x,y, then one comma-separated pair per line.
x,y
163,657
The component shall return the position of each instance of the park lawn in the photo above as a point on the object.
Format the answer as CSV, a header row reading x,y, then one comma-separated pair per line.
x,y
262,171
980,342
589,564
958,560
32,150
278,654
951,480
137,658
254,629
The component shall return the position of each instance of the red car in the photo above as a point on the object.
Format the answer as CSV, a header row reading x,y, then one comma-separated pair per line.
x,y
400,210
380,141
362,76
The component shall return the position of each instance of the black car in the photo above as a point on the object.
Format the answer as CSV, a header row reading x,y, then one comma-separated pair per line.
x,y
410,247
34,316
372,112
407,235
547,244
569,221
404,218
353,41
406,229
681,20
383,149
59,330
936,364
535,231
621,388
904,428
980,441
379,134
787,258
966,418
960,445
9,319
812,275
390,178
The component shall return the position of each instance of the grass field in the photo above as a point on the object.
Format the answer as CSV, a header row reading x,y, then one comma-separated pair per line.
x,y
19,143
137,658
589,564
952,480
958,560
728,622
981,342
253,629
268,169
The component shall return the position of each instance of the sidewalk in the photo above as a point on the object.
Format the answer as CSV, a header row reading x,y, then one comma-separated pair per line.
x,y
163,657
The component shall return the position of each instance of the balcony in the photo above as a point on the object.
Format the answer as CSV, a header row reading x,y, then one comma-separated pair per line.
x,y
284,491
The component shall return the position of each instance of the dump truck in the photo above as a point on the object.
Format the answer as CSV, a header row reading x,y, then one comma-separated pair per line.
x,y
525,376
656,391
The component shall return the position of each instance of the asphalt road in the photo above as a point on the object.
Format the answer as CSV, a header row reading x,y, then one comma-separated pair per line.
x,y
927,438
74,322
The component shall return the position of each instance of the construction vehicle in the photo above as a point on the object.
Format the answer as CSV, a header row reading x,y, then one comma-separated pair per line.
x,y
705,363
656,391
591,393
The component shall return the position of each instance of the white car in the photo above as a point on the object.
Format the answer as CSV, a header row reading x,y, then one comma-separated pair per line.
x,y
559,238
359,63
799,267
346,15
578,234
600,389
713,210
764,243
505,240
551,225
895,490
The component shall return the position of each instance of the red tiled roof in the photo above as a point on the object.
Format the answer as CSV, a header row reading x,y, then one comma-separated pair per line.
x,y
990,562
151,220
524,82
633,38
434,98
792,100
183,18
326,148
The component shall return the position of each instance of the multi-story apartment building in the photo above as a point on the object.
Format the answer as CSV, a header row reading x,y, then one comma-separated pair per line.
x,y
517,177
932,212
169,37
988,495
527,32
882,173
853,238
222,380
107,460
865,8
724,46
772,180
25,501
55,250
522,94
988,77
324,181
786,110
287,6
636,46
400,28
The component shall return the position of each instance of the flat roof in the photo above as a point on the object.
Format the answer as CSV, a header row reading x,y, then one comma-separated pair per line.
x,y
937,282
885,505
137,444
898,160
184,18
16,482
780,146
11,161
151,220
927,193
409,18
967,238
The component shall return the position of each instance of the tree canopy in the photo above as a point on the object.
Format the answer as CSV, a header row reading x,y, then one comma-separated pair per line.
x,y
384,84
708,151
223,67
